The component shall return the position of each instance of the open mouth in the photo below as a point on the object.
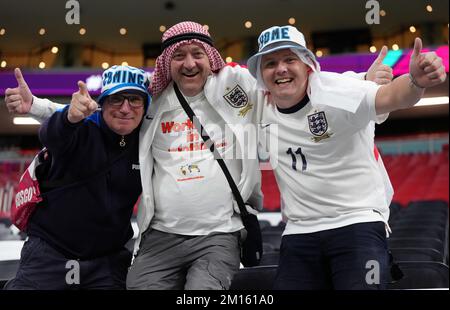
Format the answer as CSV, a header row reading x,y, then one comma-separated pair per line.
x,y
283,81
189,75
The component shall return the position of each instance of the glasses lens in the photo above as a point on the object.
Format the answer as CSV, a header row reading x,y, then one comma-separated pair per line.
x,y
133,100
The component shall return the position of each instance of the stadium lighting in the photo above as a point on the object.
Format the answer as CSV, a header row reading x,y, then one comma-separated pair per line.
x,y
432,101
25,121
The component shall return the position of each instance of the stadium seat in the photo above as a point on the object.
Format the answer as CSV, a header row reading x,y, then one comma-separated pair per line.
x,y
263,224
270,258
416,254
428,206
422,275
431,243
254,278
267,248
420,231
414,222
394,208
273,238
8,269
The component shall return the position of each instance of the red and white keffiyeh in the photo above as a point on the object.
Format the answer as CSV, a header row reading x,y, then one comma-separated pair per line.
x,y
161,76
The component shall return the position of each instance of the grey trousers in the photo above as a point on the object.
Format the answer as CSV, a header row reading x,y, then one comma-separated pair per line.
x,y
169,261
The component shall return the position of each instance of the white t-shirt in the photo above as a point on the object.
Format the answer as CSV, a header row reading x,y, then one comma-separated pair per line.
x,y
325,165
192,195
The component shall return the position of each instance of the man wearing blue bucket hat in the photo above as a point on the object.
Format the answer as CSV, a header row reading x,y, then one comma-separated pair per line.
x,y
77,235
335,190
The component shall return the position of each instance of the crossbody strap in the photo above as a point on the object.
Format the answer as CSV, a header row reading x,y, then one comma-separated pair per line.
x,y
211,145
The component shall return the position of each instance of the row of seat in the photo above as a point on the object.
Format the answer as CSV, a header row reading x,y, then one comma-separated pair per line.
x,y
423,275
419,239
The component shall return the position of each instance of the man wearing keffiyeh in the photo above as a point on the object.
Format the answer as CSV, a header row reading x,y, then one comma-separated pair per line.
x,y
190,231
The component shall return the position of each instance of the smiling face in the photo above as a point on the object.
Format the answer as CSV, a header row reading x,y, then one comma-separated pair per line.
x,y
285,76
125,117
190,68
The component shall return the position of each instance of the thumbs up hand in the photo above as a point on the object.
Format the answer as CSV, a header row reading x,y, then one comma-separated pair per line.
x,y
378,72
426,69
19,99
82,105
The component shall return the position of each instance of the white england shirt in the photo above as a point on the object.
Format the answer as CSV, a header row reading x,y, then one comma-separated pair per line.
x,y
192,195
326,166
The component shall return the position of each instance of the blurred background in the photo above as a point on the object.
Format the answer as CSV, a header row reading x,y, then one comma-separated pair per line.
x,y
54,54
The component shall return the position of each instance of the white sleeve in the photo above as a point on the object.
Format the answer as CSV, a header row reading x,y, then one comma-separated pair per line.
x,y
358,76
366,111
41,109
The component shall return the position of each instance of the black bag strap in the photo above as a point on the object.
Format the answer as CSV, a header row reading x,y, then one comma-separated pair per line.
x,y
54,185
211,145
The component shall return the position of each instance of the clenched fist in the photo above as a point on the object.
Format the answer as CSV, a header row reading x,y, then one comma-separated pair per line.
x,y
81,105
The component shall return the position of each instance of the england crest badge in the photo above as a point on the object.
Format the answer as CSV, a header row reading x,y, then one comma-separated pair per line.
x,y
236,97
318,126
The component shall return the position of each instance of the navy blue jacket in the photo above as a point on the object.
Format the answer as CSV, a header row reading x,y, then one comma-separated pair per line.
x,y
92,219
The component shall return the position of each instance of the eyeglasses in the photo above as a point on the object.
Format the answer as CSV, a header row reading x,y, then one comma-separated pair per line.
x,y
135,101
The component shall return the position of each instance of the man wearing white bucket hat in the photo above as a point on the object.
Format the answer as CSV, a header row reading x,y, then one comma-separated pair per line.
x,y
335,190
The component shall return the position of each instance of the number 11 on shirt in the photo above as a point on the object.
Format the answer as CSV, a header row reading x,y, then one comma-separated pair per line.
x,y
294,158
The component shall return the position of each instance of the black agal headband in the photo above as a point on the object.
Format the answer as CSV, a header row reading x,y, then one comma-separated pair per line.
x,y
186,36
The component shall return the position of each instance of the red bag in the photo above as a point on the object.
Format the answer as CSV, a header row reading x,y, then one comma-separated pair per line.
x,y
28,194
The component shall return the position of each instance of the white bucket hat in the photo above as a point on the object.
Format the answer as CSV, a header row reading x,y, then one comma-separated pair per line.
x,y
278,38
325,88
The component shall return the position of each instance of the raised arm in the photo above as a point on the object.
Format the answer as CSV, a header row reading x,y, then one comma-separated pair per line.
x,y
425,70
20,100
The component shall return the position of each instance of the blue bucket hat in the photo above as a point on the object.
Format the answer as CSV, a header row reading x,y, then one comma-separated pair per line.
x,y
124,78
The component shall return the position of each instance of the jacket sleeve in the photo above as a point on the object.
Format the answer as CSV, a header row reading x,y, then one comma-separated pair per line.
x,y
41,109
57,133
